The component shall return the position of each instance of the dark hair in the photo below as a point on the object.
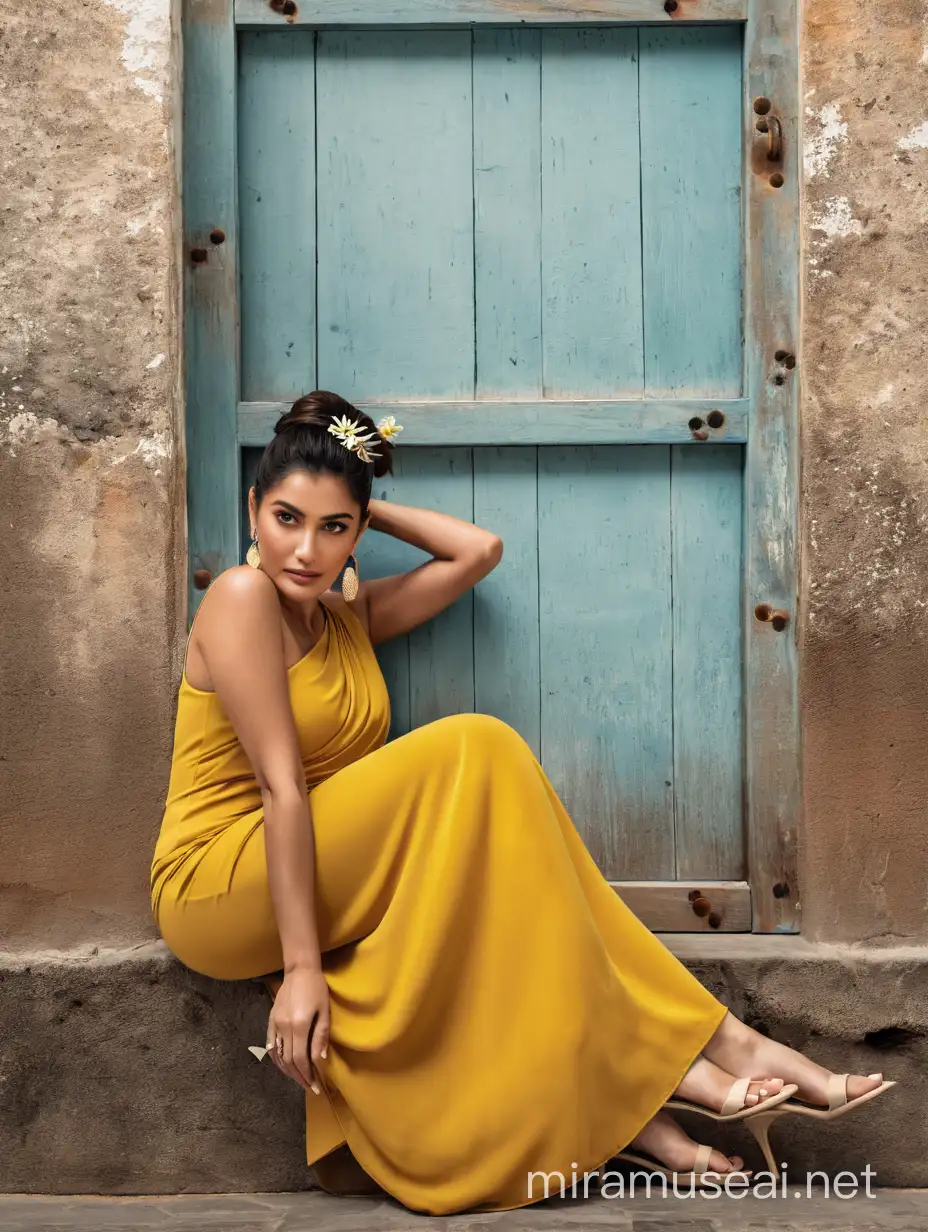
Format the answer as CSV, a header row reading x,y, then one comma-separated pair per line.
x,y
302,441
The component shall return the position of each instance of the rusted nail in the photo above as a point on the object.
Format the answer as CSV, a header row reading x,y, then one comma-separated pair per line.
x,y
694,894
763,611
779,620
715,419
776,180
701,907
217,236
289,8
670,6
202,578
762,105
715,920
198,255
789,361
781,890
695,424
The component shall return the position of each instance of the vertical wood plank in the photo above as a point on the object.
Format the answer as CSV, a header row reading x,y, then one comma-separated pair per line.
x,y
606,668
691,209
277,203
507,211
591,213
380,556
706,505
506,634
210,290
441,652
774,797
395,214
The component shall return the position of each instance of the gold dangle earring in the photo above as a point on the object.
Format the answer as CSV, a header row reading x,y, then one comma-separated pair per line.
x,y
350,580
253,556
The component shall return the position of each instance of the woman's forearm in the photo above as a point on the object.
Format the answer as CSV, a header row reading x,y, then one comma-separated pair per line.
x,y
441,535
291,874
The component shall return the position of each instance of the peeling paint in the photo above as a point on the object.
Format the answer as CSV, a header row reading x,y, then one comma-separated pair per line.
x,y
147,40
824,134
835,220
916,139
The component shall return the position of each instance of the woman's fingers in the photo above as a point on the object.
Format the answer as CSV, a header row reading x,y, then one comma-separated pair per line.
x,y
320,1039
301,1061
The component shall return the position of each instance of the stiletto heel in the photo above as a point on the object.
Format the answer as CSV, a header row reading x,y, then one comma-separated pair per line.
x,y
760,1128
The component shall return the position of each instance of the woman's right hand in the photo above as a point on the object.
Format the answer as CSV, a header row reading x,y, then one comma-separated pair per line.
x,y
301,1010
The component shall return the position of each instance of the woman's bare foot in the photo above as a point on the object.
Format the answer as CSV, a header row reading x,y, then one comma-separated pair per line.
x,y
708,1084
664,1140
742,1051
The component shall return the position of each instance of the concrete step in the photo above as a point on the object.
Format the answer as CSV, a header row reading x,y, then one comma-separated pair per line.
x,y
122,1072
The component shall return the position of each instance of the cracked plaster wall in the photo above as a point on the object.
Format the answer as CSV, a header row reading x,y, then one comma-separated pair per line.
x,y
93,566
865,490
88,470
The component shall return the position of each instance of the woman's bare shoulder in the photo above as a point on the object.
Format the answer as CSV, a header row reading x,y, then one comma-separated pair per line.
x,y
238,595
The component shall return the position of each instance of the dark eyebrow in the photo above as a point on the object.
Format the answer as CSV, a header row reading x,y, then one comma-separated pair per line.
x,y
299,512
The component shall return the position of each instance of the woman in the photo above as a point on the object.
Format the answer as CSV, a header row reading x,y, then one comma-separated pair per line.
x,y
464,998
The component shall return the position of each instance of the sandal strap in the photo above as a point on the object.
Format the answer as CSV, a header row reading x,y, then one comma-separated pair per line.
x,y
737,1094
703,1159
837,1091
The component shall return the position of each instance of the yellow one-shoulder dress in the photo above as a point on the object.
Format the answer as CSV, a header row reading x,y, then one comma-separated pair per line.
x,y
496,1010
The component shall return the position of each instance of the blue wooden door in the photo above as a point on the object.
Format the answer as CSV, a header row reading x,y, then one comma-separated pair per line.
x,y
530,242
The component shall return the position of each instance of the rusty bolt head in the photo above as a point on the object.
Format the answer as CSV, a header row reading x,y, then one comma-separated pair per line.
x,y
670,6
715,920
781,890
198,255
762,105
701,907
763,612
202,578
779,356
776,180
695,424
789,361
217,236
715,419
779,620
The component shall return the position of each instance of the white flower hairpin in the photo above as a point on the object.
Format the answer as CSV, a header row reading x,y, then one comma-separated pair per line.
x,y
355,441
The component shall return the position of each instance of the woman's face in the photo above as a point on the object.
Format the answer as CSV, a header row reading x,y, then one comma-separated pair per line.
x,y
308,526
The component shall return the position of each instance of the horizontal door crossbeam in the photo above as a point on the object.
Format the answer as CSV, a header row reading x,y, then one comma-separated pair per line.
x,y
322,13
646,422
689,906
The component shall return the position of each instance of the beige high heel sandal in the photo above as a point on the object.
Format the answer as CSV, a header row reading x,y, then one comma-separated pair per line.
x,y
700,1177
838,1105
733,1109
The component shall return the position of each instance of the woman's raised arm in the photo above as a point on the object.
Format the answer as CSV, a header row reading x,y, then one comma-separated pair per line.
x,y
462,554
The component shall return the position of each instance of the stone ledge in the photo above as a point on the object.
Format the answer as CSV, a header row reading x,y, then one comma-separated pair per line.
x,y
125,1073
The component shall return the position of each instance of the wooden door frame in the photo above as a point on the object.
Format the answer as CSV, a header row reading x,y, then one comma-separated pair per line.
x,y
764,419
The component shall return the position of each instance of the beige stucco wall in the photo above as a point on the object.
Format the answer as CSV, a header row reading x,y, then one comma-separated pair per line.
x,y
865,461
91,492
91,606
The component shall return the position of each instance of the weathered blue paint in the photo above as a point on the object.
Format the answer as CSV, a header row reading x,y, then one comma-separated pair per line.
x,y
277,196
644,422
324,13
591,214
210,235
395,210
691,210
706,516
606,650
507,241
507,660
